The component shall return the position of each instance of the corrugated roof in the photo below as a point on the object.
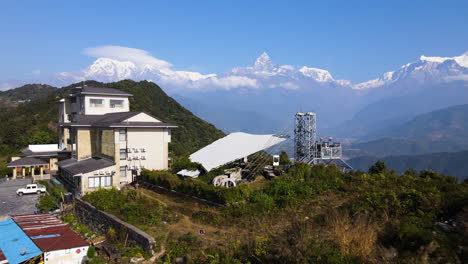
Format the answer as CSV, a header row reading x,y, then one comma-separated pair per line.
x,y
26,162
75,167
49,233
113,120
15,244
105,91
2,257
233,147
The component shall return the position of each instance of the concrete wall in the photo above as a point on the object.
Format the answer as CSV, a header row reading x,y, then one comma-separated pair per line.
x,y
105,108
100,221
83,147
85,180
142,117
155,142
53,164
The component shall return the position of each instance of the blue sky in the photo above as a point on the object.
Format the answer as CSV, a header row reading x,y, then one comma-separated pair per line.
x,y
354,40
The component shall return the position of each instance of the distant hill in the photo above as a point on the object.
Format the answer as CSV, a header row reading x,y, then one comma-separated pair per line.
x,y
450,163
33,121
29,92
437,131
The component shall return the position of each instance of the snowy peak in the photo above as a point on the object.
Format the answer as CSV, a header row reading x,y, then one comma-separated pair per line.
x,y
426,69
110,68
264,63
462,60
118,63
316,74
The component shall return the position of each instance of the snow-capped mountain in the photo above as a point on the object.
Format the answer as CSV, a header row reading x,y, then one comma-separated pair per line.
x,y
263,74
268,91
434,69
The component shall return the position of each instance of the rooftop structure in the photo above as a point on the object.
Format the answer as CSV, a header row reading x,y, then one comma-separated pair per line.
x,y
15,245
49,233
233,147
309,149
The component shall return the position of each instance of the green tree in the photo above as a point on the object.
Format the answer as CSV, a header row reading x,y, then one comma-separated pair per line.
x,y
378,167
40,137
284,159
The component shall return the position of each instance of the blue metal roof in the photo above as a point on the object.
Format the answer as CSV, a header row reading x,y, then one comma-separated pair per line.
x,y
15,244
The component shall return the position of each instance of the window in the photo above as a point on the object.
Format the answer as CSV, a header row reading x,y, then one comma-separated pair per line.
x,y
73,100
96,182
123,154
96,102
116,103
106,181
123,172
122,135
93,182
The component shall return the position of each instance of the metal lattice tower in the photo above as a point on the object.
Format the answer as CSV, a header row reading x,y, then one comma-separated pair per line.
x,y
305,136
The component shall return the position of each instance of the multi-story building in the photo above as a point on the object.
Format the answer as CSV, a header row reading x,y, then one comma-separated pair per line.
x,y
109,144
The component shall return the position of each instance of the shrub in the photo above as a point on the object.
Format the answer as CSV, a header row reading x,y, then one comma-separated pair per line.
x,y
91,252
47,203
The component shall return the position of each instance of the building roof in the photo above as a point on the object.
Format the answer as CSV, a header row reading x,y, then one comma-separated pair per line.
x,y
75,167
42,150
101,91
233,147
114,120
49,233
2,257
16,246
26,162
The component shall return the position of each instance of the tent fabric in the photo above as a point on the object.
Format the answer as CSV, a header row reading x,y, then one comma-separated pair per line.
x,y
15,244
189,173
233,147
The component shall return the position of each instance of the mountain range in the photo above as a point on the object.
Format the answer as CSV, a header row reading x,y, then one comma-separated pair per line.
x,y
448,163
437,131
264,97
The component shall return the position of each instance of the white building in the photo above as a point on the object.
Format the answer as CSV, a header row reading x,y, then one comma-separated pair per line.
x,y
109,144
57,242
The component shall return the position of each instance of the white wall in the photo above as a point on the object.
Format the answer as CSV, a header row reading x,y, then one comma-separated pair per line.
x,y
154,141
105,108
85,179
142,117
66,256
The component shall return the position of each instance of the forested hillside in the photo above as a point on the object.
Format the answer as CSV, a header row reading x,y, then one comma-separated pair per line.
x,y
29,92
449,163
444,130
33,122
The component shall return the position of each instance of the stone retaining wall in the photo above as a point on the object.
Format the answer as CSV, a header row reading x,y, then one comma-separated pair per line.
x,y
100,221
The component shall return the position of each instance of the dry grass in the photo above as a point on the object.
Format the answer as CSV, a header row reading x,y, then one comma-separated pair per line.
x,y
354,235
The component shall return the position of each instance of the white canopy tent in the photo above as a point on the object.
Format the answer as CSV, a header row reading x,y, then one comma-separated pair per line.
x,y
233,147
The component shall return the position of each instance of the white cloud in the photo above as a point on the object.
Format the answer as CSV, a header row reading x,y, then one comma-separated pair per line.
x,y
120,53
231,82
36,72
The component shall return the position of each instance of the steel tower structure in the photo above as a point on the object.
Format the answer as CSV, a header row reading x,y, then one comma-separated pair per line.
x,y
305,136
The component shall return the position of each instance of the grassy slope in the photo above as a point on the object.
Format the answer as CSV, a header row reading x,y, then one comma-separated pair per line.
x,y
317,216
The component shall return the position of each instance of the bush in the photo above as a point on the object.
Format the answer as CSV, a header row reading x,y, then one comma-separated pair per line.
x,y
129,206
4,171
91,252
47,203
